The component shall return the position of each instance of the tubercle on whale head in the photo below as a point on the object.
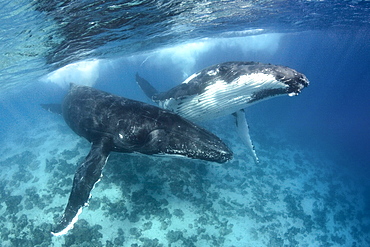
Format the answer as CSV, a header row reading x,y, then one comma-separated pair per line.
x,y
297,84
294,80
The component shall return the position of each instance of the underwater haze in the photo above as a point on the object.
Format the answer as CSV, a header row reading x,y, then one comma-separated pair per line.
x,y
311,187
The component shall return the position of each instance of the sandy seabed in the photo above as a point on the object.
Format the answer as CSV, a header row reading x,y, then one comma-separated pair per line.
x,y
293,197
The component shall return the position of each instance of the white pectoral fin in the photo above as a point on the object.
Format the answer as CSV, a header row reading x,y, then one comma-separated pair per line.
x,y
243,131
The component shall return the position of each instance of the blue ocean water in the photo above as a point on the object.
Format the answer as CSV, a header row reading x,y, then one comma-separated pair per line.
x,y
311,188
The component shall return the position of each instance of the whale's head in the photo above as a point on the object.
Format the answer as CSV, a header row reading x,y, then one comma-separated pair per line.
x,y
157,131
263,81
293,80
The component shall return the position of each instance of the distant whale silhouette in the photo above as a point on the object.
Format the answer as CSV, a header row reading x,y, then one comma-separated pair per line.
x,y
112,123
227,88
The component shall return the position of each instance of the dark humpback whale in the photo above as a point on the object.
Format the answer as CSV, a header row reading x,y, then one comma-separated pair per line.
x,y
227,88
112,123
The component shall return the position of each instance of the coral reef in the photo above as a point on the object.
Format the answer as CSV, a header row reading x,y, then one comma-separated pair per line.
x,y
292,198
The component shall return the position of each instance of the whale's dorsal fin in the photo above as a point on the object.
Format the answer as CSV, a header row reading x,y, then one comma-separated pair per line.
x,y
243,131
147,88
86,176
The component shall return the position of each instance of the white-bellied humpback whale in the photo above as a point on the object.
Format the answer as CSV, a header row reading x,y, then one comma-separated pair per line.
x,y
113,123
227,88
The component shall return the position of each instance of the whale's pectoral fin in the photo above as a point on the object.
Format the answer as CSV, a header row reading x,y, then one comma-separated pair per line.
x,y
243,131
147,88
86,176
54,108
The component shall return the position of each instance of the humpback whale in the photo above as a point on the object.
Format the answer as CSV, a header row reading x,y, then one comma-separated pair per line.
x,y
116,124
227,88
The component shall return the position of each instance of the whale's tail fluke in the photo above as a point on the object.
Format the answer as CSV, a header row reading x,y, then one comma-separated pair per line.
x,y
147,88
